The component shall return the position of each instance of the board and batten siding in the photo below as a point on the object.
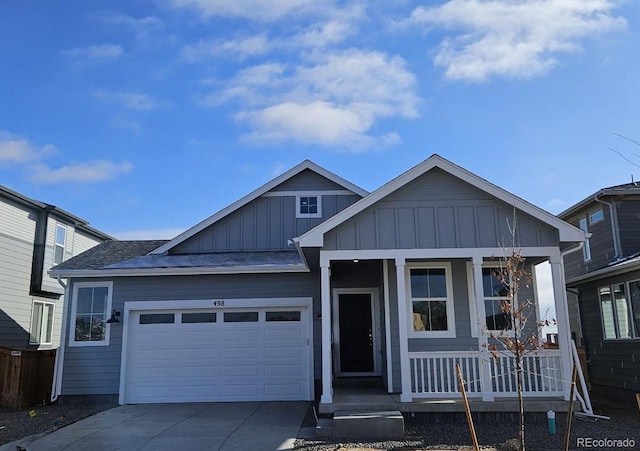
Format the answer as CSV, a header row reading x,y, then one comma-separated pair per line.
x,y
612,363
17,231
629,224
437,210
96,370
269,222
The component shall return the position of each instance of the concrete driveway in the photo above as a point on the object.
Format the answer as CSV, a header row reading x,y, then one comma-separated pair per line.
x,y
259,426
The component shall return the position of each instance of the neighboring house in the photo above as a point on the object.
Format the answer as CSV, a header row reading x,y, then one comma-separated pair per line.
x,y
603,281
35,236
312,279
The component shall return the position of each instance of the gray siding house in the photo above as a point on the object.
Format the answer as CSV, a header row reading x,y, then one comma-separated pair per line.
x,y
603,282
34,237
310,280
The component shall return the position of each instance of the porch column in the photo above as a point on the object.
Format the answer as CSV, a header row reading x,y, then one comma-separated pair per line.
x,y
325,299
485,357
405,367
562,317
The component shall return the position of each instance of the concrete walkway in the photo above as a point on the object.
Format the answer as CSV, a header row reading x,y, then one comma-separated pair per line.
x,y
257,426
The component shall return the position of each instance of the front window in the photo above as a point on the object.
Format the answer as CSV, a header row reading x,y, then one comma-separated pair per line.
x,y
60,244
41,323
496,300
91,305
431,301
617,310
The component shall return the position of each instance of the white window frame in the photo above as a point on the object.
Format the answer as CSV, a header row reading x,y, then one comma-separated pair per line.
x,y
299,197
599,212
74,305
57,245
586,249
450,304
634,335
41,332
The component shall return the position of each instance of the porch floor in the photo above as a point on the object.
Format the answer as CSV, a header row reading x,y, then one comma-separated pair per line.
x,y
354,398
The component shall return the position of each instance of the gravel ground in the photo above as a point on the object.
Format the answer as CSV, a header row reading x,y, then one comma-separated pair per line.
x,y
624,424
18,423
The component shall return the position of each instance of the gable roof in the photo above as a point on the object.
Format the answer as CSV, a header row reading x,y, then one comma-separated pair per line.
x,y
626,189
78,223
306,164
315,236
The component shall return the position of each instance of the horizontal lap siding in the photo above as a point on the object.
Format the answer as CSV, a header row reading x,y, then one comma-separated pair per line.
x,y
17,231
629,224
438,211
613,363
80,376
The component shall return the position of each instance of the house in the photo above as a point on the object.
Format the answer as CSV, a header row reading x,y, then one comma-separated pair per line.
x,y
603,282
34,237
309,281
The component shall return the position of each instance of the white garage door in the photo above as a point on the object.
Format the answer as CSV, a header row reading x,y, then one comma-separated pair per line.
x,y
198,355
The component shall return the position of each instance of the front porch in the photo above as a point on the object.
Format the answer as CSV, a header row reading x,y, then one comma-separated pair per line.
x,y
435,388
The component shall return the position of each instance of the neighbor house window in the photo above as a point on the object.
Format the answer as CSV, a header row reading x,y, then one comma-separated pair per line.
x,y
41,323
619,306
496,300
596,216
430,293
60,244
89,312
309,206
586,250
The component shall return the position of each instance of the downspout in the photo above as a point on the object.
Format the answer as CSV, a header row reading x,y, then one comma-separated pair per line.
x,y
56,385
614,226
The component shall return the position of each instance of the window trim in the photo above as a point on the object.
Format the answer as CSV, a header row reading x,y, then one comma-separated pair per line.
x,y
599,212
450,301
53,315
55,242
318,196
586,249
635,334
74,308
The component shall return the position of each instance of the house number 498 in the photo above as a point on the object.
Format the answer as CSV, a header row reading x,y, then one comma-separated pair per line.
x,y
218,303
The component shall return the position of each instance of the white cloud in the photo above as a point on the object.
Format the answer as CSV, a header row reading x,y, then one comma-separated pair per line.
x,y
94,171
260,10
519,39
129,100
17,150
94,52
237,48
332,99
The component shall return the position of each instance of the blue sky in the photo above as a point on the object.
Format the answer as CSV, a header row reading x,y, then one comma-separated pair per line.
x,y
145,117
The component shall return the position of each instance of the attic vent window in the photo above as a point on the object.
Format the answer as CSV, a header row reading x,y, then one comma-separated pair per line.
x,y
309,207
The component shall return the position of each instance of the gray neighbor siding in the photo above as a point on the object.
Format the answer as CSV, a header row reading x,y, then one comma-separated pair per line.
x,y
629,226
269,222
96,370
612,363
438,210
601,243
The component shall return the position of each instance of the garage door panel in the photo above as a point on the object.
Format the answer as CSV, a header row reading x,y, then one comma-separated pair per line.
x,y
238,360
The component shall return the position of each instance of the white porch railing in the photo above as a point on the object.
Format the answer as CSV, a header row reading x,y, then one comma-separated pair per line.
x,y
433,374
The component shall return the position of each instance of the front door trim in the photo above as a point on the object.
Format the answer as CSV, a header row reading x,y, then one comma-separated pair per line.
x,y
375,330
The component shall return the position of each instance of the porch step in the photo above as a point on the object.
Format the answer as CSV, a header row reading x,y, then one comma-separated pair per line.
x,y
388,424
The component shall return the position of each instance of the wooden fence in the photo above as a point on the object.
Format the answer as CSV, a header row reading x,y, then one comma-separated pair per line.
x,y
25,377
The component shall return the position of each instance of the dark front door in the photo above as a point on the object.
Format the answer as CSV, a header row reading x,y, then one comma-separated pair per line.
x,y
356,333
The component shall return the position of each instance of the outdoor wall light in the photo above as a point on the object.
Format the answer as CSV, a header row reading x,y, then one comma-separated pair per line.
x,y
114,317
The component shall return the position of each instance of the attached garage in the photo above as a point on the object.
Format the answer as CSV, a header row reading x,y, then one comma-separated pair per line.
x,y
218,350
